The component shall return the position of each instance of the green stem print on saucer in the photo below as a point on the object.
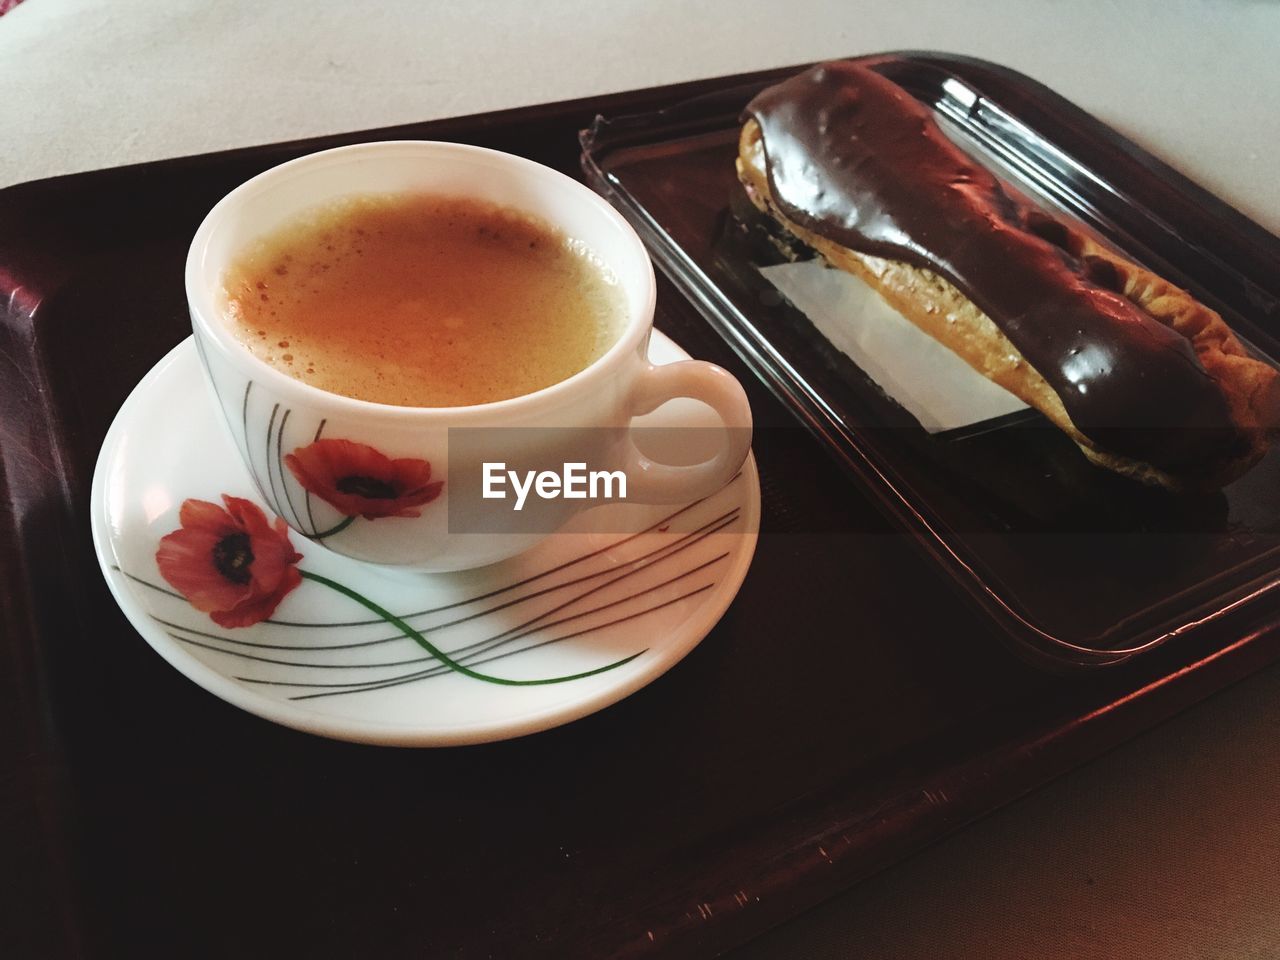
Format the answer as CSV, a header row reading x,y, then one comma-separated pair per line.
x,y
236,565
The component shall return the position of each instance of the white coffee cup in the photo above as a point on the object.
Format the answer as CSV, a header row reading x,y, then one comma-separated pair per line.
x,y
297,439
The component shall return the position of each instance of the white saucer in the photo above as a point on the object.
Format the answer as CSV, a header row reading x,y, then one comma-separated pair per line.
x,y
634,603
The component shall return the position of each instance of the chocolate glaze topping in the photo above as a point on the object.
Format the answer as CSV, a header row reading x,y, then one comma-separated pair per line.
x,y
854,158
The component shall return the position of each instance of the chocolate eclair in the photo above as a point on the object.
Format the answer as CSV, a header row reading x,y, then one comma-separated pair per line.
x,y
1145,379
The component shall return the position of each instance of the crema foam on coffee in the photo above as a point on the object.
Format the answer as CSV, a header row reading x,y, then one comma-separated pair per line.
x,y
422,300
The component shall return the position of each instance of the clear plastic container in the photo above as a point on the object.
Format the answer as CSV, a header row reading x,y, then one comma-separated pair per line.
x,y
1078,566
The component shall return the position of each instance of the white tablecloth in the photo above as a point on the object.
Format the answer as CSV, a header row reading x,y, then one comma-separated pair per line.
x,y
1170,847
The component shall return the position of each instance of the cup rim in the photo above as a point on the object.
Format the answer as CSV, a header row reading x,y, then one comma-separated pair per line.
x,y
204,314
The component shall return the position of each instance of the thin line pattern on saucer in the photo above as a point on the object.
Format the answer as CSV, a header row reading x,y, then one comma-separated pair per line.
x,y
580,591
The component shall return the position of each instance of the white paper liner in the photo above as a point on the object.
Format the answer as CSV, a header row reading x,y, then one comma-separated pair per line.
x,y
932,383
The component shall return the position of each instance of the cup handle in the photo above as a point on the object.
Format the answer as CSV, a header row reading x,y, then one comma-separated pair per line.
x,y
652,482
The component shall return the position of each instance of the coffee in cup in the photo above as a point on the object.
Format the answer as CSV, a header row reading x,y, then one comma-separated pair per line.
x,y
422,300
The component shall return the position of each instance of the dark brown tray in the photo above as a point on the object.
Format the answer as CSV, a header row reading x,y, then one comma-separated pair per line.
x,y
847,711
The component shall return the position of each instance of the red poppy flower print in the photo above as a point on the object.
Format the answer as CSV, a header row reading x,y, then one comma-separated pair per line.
x,y
233,564
357,480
